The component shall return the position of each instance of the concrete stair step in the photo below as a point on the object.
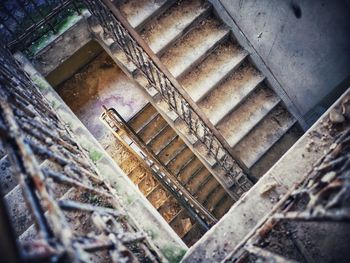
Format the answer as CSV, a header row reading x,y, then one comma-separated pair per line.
x,y
214,200
206,190
193,185
190,170
157,196
262,138
129,164
148,184
169,208
210,194
142,117
137,174
223,206
140,12
160,141
29,234
152,127
182,223
180,161
213,70
276,151
8,180
171,150
174,23
156,134
227,96
195,46
241,121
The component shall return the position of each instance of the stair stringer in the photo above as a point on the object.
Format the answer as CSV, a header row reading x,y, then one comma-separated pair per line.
x,y
172,118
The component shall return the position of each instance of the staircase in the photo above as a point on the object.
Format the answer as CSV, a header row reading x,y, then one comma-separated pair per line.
x,y
201,52
173,154
14,199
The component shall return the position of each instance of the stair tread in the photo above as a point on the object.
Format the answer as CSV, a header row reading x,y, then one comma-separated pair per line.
x,y
172,24
212,70
162,139
180,161
266,133
139,11
129,164
189,170
194,183
182,223
137,174
169,208
223,207
157,196
142,117
149,130
29,234
192,47
276,152
206,189
171,150
240,122
215,198
7,179
148,184
223,99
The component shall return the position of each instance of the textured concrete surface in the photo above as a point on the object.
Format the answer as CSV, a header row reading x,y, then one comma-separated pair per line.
x,y
251,208
62,48
306,45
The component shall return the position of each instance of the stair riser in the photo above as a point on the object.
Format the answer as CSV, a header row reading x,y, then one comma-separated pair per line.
x,y
155,15
202,57
239,103
185,31
221,80
256,124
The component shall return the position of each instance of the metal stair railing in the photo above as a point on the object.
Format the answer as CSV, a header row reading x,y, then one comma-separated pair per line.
x,y
198,212
32,133
322,196
116,27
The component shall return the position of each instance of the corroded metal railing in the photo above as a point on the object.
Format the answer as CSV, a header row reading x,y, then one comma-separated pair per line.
x,y
115,26
323,196
196,210
33,134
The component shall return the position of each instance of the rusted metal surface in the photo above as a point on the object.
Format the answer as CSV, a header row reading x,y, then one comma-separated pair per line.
x,y
119,126
32,133
322,196
116,27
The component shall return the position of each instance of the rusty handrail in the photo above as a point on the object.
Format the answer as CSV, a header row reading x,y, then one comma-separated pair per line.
x,y
32,133
166,178
118,28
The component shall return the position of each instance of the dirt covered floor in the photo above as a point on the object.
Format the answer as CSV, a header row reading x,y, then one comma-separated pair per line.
x,y
101,83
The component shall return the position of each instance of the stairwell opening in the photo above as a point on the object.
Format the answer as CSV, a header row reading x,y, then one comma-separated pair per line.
x,y
90,79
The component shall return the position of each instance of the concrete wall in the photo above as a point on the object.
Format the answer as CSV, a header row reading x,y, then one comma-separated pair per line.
x,y
305,44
